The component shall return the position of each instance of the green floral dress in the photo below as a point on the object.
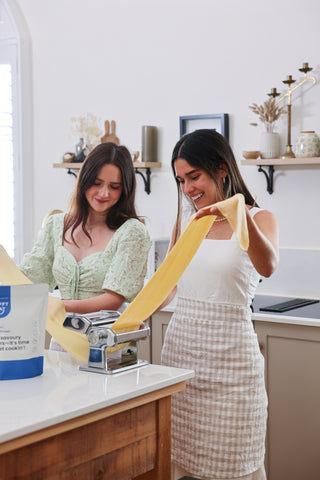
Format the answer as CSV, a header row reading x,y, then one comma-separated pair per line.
x,y
121,267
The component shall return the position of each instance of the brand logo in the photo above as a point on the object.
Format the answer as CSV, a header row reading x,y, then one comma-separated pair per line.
x,y
5,300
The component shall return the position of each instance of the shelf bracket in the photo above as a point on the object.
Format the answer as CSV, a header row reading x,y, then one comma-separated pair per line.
x,y
71,172
146,179
269,177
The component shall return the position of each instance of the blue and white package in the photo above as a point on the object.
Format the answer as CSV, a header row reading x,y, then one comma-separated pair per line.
x,y
23,313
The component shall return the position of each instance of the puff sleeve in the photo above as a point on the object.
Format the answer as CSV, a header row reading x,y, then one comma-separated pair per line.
x,y
129,263
37,265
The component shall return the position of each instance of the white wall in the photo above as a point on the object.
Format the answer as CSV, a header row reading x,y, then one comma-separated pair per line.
x,y
148,62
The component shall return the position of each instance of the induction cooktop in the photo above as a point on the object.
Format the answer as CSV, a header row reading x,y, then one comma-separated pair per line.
x,y
286,306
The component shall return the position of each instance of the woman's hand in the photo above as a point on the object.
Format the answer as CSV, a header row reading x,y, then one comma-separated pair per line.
x,y
144,324
210,210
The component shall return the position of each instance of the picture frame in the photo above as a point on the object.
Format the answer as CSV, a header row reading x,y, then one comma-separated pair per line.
x,y
214,121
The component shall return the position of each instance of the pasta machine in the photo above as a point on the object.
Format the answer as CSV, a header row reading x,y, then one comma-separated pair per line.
x,y
97,326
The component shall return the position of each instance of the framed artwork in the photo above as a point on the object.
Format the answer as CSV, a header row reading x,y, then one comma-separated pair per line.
x,y
215,121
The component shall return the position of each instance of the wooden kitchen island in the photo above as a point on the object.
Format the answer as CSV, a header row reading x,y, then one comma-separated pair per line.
x,y
70,424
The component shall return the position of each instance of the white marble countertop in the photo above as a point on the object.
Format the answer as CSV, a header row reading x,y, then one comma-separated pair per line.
x,y
64,392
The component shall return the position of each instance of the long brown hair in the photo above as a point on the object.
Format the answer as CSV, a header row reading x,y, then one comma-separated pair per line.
x,y
209,150
105,153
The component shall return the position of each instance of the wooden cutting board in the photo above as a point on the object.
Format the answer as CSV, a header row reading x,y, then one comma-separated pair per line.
x,y
110,137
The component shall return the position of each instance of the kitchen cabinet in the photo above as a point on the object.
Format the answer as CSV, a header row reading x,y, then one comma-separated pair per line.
x,y
159,322
145,346
292,374
69,423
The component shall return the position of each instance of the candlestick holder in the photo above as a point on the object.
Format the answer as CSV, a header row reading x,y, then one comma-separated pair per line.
x,y
290,81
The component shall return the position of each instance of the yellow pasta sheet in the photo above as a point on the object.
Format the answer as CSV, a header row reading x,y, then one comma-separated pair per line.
x,y
169,272
155,291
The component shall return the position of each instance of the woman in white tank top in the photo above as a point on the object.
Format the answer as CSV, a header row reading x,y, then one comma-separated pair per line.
x,y
219,421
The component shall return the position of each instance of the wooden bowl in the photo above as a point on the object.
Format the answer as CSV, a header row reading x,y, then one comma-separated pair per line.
x,y
251,154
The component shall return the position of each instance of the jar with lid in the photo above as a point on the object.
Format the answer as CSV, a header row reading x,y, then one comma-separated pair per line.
x,y
307,144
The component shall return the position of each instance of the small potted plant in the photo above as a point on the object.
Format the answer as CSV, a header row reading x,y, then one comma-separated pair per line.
x,y
268,114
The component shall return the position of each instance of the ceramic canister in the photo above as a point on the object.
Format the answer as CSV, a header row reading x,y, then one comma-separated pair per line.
x,y
307,144
149,143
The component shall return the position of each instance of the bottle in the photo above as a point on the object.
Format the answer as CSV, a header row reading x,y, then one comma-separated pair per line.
x,y
80,146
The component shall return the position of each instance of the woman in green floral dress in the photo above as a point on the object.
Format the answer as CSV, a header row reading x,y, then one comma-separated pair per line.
x,y
96,254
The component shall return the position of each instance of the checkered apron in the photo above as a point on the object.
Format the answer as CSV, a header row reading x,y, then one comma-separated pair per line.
x,y
219,421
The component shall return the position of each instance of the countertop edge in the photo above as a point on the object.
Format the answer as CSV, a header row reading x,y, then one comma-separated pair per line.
x,y
308,322
179,376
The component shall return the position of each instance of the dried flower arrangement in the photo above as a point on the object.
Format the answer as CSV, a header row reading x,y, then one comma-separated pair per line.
x,y
87,126
268,113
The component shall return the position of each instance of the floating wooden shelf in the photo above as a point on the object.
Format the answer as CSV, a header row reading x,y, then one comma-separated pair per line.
x,y
73,166
77,165
283,161
273,162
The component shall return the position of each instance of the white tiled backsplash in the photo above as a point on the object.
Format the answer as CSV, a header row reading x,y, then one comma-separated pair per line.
x,y
298,275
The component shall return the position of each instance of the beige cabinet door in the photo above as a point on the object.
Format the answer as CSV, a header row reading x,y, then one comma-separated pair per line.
x,y
145,345
160,321
292,372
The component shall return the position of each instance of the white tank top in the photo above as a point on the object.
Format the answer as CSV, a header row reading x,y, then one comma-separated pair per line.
x,y
220,271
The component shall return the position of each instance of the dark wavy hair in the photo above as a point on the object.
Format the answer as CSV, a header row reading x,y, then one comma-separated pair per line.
x,y
105,153
209,150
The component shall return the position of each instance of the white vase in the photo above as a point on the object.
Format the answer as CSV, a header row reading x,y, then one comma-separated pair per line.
x,y
269,145
307,145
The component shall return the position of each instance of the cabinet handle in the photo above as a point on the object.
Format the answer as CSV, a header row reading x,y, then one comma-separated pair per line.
x,y
261,346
